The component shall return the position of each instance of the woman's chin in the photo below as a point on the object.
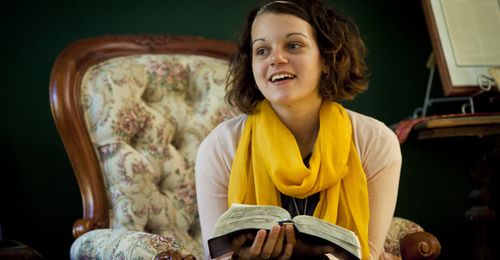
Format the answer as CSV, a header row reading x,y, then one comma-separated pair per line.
x,y
282,102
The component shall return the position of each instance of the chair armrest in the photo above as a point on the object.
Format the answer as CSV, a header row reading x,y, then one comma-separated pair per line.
x,y
408,240
126,244
420,245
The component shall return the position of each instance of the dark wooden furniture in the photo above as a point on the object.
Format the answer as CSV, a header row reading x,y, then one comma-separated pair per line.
x,y
420,245
482,134
11,249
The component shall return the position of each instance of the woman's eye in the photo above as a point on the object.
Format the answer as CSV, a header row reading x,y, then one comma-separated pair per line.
x,y
294,46
261,51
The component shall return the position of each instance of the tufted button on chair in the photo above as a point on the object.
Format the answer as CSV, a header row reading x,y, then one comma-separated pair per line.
x,y
131,112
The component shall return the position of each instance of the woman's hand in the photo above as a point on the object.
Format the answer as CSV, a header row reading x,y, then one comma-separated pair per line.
x,y
304,250
264,245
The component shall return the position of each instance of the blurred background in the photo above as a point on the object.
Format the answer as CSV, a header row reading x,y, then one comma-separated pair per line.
x,y
39,195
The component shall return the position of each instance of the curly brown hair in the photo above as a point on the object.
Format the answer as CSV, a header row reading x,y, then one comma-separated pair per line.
x,y
339,43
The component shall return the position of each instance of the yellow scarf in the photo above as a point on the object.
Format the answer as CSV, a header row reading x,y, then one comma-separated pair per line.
x,y
268,161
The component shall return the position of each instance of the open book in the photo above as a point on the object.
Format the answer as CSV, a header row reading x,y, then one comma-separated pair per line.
x,y
243,218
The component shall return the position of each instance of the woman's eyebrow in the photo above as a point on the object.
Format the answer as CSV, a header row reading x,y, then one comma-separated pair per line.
x,y
288,35
296,33
259,39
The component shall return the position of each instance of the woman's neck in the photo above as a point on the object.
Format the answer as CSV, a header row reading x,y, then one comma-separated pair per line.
x,y
303,123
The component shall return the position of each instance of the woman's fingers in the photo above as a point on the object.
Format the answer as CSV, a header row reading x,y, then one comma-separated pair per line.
x,y
266,244
245,252
238,242
288,252
258,242
290,235
270,244
278,246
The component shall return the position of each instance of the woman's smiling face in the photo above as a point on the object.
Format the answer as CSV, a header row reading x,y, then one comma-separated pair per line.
x,y
286,60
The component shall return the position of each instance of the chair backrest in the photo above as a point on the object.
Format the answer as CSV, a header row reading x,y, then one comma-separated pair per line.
x,y
131,112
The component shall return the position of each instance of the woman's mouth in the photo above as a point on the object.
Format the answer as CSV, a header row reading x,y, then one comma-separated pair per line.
x,y
280,77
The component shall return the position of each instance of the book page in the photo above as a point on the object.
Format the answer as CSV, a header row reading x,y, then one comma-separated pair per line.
x,y
474,30
460,76
338,235
240,217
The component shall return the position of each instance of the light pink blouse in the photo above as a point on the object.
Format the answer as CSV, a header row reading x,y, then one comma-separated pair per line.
x,y
378,149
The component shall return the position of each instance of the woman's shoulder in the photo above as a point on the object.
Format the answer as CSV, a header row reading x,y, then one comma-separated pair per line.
x,y
232,126
226,134
376,143
366,125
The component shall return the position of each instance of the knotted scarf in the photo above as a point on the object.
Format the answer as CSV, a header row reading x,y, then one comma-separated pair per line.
x,y
268,161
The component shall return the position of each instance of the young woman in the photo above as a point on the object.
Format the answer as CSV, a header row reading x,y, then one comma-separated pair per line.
x,y
295,146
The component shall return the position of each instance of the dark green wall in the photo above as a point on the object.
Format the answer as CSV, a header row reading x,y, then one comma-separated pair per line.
x,y
39,196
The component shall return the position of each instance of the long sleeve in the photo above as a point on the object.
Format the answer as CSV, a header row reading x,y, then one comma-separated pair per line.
x,y
381,158
213,165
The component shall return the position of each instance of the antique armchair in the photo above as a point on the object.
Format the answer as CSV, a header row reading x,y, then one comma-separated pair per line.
x,y
131,111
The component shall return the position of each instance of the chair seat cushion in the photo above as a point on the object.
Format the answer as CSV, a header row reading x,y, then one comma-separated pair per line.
x,y
123,244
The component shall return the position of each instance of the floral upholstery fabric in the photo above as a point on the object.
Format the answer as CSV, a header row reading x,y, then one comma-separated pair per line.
x,y
146,115
400,227
122,244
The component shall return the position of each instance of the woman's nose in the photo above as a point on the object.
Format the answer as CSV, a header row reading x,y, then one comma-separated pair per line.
x,y
278,57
